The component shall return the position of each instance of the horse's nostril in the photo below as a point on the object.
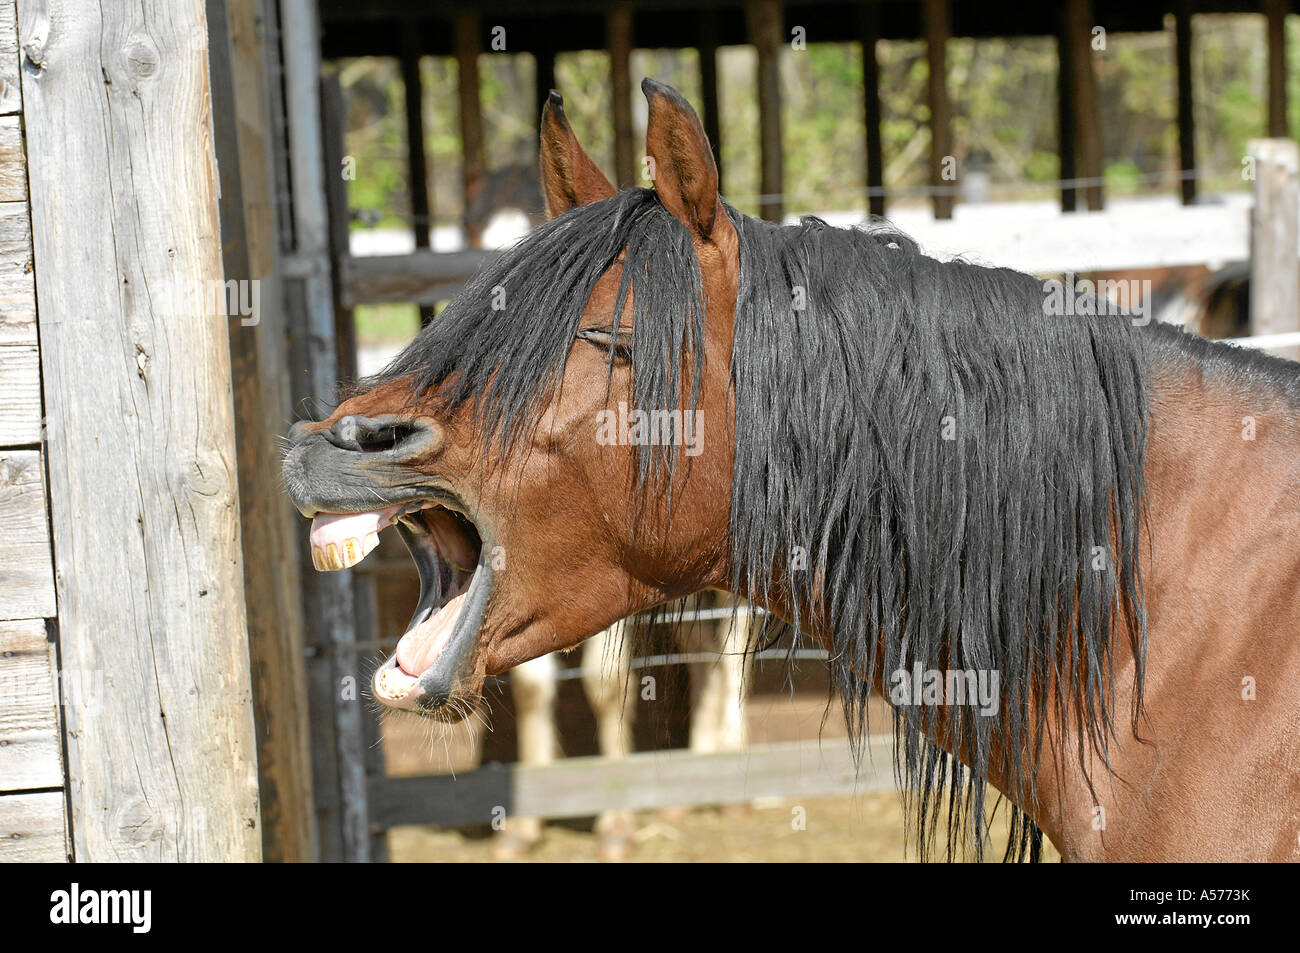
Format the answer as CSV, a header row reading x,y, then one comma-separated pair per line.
x,y
381,434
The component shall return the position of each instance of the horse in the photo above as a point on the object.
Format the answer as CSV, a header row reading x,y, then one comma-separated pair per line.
x,y
932,469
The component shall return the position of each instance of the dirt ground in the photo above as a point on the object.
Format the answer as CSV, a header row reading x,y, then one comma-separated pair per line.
x,y
868,827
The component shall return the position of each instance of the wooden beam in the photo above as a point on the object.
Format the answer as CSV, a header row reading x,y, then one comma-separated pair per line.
x,y
250,253
764,21
709,86
869,33
581,787
146,529
937,30
618,32
1087,113
425,277
1275,240
337,740
1186,112
473,154
1275,12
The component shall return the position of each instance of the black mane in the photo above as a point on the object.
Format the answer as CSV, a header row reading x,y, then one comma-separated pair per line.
x,y
919,441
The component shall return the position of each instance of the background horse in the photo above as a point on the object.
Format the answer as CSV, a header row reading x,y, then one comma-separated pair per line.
x,y
933,469
718,685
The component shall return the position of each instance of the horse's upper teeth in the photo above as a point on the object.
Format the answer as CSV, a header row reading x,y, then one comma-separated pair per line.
x,y
344,554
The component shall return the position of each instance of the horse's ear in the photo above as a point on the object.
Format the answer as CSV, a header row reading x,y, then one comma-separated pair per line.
x,y
684,173
569,177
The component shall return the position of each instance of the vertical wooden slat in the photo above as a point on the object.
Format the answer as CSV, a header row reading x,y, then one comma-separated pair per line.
x,y
1275,240
1087,112
937,30
709,86
543,77
1275,12
337,744
271,583
618,32
368,616
875,153
1186,113
333,121
1066,115
417,166
765,22
150,583
473,156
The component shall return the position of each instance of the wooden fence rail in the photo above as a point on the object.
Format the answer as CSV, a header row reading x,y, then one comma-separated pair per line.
x,y
581,787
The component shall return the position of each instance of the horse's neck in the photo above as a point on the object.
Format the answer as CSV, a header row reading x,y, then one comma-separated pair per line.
x,y
1221,572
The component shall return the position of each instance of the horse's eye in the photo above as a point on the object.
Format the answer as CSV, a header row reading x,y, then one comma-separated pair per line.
x,y
620,342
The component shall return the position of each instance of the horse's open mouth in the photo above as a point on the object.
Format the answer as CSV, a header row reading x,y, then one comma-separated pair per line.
x,y
437,649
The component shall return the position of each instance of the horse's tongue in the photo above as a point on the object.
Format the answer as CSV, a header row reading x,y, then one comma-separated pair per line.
x,y
420,647
340,542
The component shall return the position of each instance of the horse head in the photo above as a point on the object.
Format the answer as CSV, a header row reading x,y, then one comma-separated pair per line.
x,y
537,506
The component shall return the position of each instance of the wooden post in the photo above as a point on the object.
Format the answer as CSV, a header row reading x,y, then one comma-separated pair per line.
x,y
333,123
1275,240
543,78
1275,11
618,28
162,760
1186,114
875,153
271,579
709,85
1067,112
937,30
417,168
473,157
1087,114
765,23
337,742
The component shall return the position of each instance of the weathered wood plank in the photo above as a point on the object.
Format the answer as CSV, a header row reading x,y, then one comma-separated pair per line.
x,y
26,567
136,371
11,98
13,177
580,787
1275,240
938,18
339,779
33,829
17,286
473,149
271,583
764,19
20,395
424,277
29,716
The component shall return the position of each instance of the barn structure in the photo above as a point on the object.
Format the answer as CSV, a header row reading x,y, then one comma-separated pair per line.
x,y
175,273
